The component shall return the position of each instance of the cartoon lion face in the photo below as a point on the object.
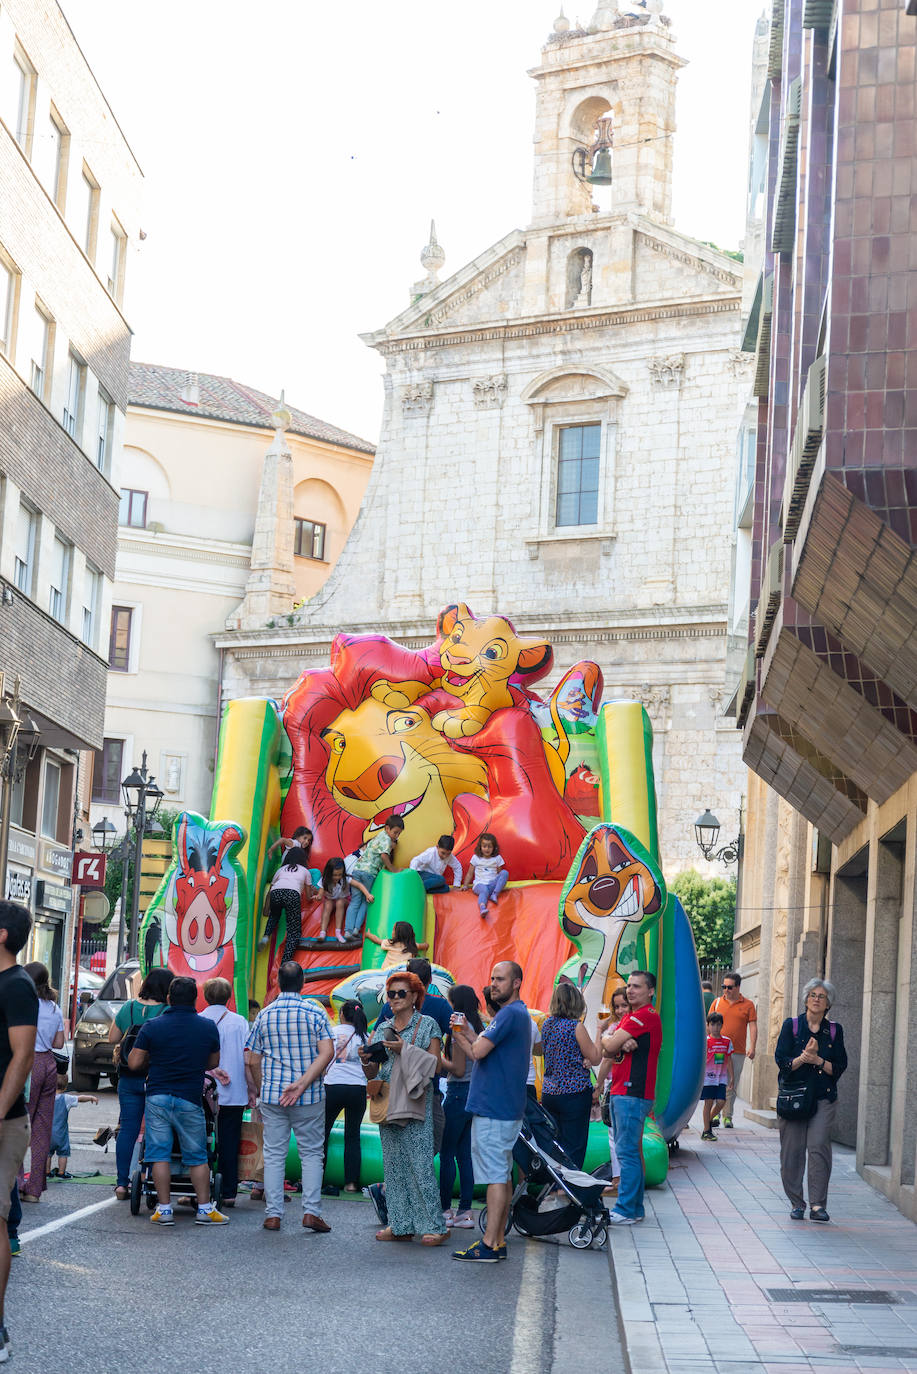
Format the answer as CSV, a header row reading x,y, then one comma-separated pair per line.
x,y
611,885
387,762
479,657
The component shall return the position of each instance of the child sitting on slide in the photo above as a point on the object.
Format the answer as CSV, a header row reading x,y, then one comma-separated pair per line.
x,y
487,873
401,945
336,894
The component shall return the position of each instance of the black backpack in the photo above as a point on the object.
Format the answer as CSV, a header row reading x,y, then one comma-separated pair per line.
x,y
127,1043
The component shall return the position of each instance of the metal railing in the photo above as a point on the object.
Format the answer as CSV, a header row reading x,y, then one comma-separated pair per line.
x,y
783,235
806,441
769,600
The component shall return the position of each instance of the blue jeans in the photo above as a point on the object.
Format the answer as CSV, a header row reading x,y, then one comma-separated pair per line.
x,y
628,1115
132,1100
165,1114
571,1112
356,908
456,1146
432,882
490,889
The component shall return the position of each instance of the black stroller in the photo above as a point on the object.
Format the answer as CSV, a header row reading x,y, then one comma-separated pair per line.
x,y
550,1170
142,1187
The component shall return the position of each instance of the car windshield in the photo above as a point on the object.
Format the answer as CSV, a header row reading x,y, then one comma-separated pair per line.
x,y
121,985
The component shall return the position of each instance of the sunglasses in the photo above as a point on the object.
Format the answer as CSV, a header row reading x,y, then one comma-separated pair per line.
x,y
398,993
729,987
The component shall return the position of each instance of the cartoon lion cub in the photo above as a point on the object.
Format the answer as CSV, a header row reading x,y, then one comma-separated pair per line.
x,y
613,884
479,659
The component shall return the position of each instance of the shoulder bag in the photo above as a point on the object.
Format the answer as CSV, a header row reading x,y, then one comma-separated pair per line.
x,y
377,1091
798,1102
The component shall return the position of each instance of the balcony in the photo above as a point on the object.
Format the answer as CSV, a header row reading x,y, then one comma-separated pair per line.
x,y
810,425
827,696
817,14
783,234
763,346
811,783
854,574
769,600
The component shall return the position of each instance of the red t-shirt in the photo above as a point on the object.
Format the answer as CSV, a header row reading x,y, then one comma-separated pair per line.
x,y
635,1076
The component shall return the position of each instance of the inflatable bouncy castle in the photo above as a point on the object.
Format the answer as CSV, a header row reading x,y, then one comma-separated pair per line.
x,y
454,739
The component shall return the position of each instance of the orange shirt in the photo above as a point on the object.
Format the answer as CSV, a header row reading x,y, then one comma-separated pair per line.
x,y
737,1017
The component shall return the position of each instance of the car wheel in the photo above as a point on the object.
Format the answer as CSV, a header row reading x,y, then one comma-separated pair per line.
x,y
84,1082
136,1189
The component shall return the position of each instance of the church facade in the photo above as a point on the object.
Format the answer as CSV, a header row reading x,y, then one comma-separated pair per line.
x,y
559,433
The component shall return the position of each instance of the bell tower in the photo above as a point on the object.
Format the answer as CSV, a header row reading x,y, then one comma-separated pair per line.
x,y
623,66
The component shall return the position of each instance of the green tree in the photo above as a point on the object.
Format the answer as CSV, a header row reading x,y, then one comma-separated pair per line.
x,y
710,905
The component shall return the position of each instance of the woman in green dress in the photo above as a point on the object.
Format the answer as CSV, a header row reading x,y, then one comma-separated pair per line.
x,y
411,1190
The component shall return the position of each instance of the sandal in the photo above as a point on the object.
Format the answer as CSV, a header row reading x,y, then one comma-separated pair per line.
x,y
434,1239
388,1234
122,1194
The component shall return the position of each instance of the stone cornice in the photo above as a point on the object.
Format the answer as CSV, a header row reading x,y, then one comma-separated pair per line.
x,y
690,259
560,324
187,548
297,641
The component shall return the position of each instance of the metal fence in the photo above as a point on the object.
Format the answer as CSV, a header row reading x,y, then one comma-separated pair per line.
x,y
714,974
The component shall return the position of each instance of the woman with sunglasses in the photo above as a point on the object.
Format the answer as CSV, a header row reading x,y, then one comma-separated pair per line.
x,y
411,1190
810,1054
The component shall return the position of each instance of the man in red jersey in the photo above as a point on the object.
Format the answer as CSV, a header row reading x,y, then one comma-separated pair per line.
x,y
634,1047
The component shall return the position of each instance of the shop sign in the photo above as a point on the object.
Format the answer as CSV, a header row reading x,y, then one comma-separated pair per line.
x,y
22,846
52,897
55,859
19,885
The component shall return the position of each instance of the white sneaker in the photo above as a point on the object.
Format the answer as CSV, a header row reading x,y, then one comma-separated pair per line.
x,y
462,1221
448,1215
619,1219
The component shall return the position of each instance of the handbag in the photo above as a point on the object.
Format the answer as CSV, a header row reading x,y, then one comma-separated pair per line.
x,y
378,1091
61,1062
796,1103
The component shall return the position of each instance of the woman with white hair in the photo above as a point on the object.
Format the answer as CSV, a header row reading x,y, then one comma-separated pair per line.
x,y
811,1057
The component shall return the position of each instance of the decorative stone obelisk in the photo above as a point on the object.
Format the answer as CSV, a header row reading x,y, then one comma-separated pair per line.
x,y
270,590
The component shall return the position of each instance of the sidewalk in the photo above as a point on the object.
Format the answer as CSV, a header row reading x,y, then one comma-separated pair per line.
x,y
701,1284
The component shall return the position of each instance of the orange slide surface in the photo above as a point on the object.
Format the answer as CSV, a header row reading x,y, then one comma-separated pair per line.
x,y
522,926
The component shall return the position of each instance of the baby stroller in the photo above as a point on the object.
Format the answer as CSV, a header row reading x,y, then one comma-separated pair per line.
x,y
550,1170
143,1188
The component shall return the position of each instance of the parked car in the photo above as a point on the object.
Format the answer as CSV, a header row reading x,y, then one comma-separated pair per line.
x,y
92,1053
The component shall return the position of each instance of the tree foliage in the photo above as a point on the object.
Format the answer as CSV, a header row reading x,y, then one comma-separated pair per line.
x,y
710,905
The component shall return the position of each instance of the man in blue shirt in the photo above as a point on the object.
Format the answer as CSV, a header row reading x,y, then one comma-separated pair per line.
x,y
496,1103
175,1050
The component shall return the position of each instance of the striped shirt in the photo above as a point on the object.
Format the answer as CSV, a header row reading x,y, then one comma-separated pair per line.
x,y
286,1035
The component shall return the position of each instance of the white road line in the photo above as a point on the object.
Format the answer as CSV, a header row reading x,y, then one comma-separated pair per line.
x,y
527,1327
65,1221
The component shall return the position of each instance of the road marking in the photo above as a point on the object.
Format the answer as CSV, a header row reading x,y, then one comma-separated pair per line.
x,y
527,1327
56,1225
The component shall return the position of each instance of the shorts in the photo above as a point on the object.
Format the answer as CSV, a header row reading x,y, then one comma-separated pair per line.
x,y
166,1113
492,1144
713,1092
14,1141
60,1144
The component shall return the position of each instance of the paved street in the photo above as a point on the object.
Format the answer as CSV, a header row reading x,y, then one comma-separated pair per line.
x,y
700,1282
115,1293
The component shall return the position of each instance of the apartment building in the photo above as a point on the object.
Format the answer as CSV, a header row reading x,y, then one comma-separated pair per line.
x,y
827,702
70,192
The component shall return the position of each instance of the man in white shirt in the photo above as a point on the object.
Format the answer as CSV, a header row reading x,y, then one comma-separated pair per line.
x,y
433,862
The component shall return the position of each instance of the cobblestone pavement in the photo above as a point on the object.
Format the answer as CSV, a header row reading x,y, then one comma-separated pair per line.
x,y
718,1278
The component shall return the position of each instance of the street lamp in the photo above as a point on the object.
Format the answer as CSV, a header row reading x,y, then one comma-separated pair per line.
x,y
102,834
142,799
706,832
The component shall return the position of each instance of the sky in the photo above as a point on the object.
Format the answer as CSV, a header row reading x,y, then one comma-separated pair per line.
x,y
295,151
